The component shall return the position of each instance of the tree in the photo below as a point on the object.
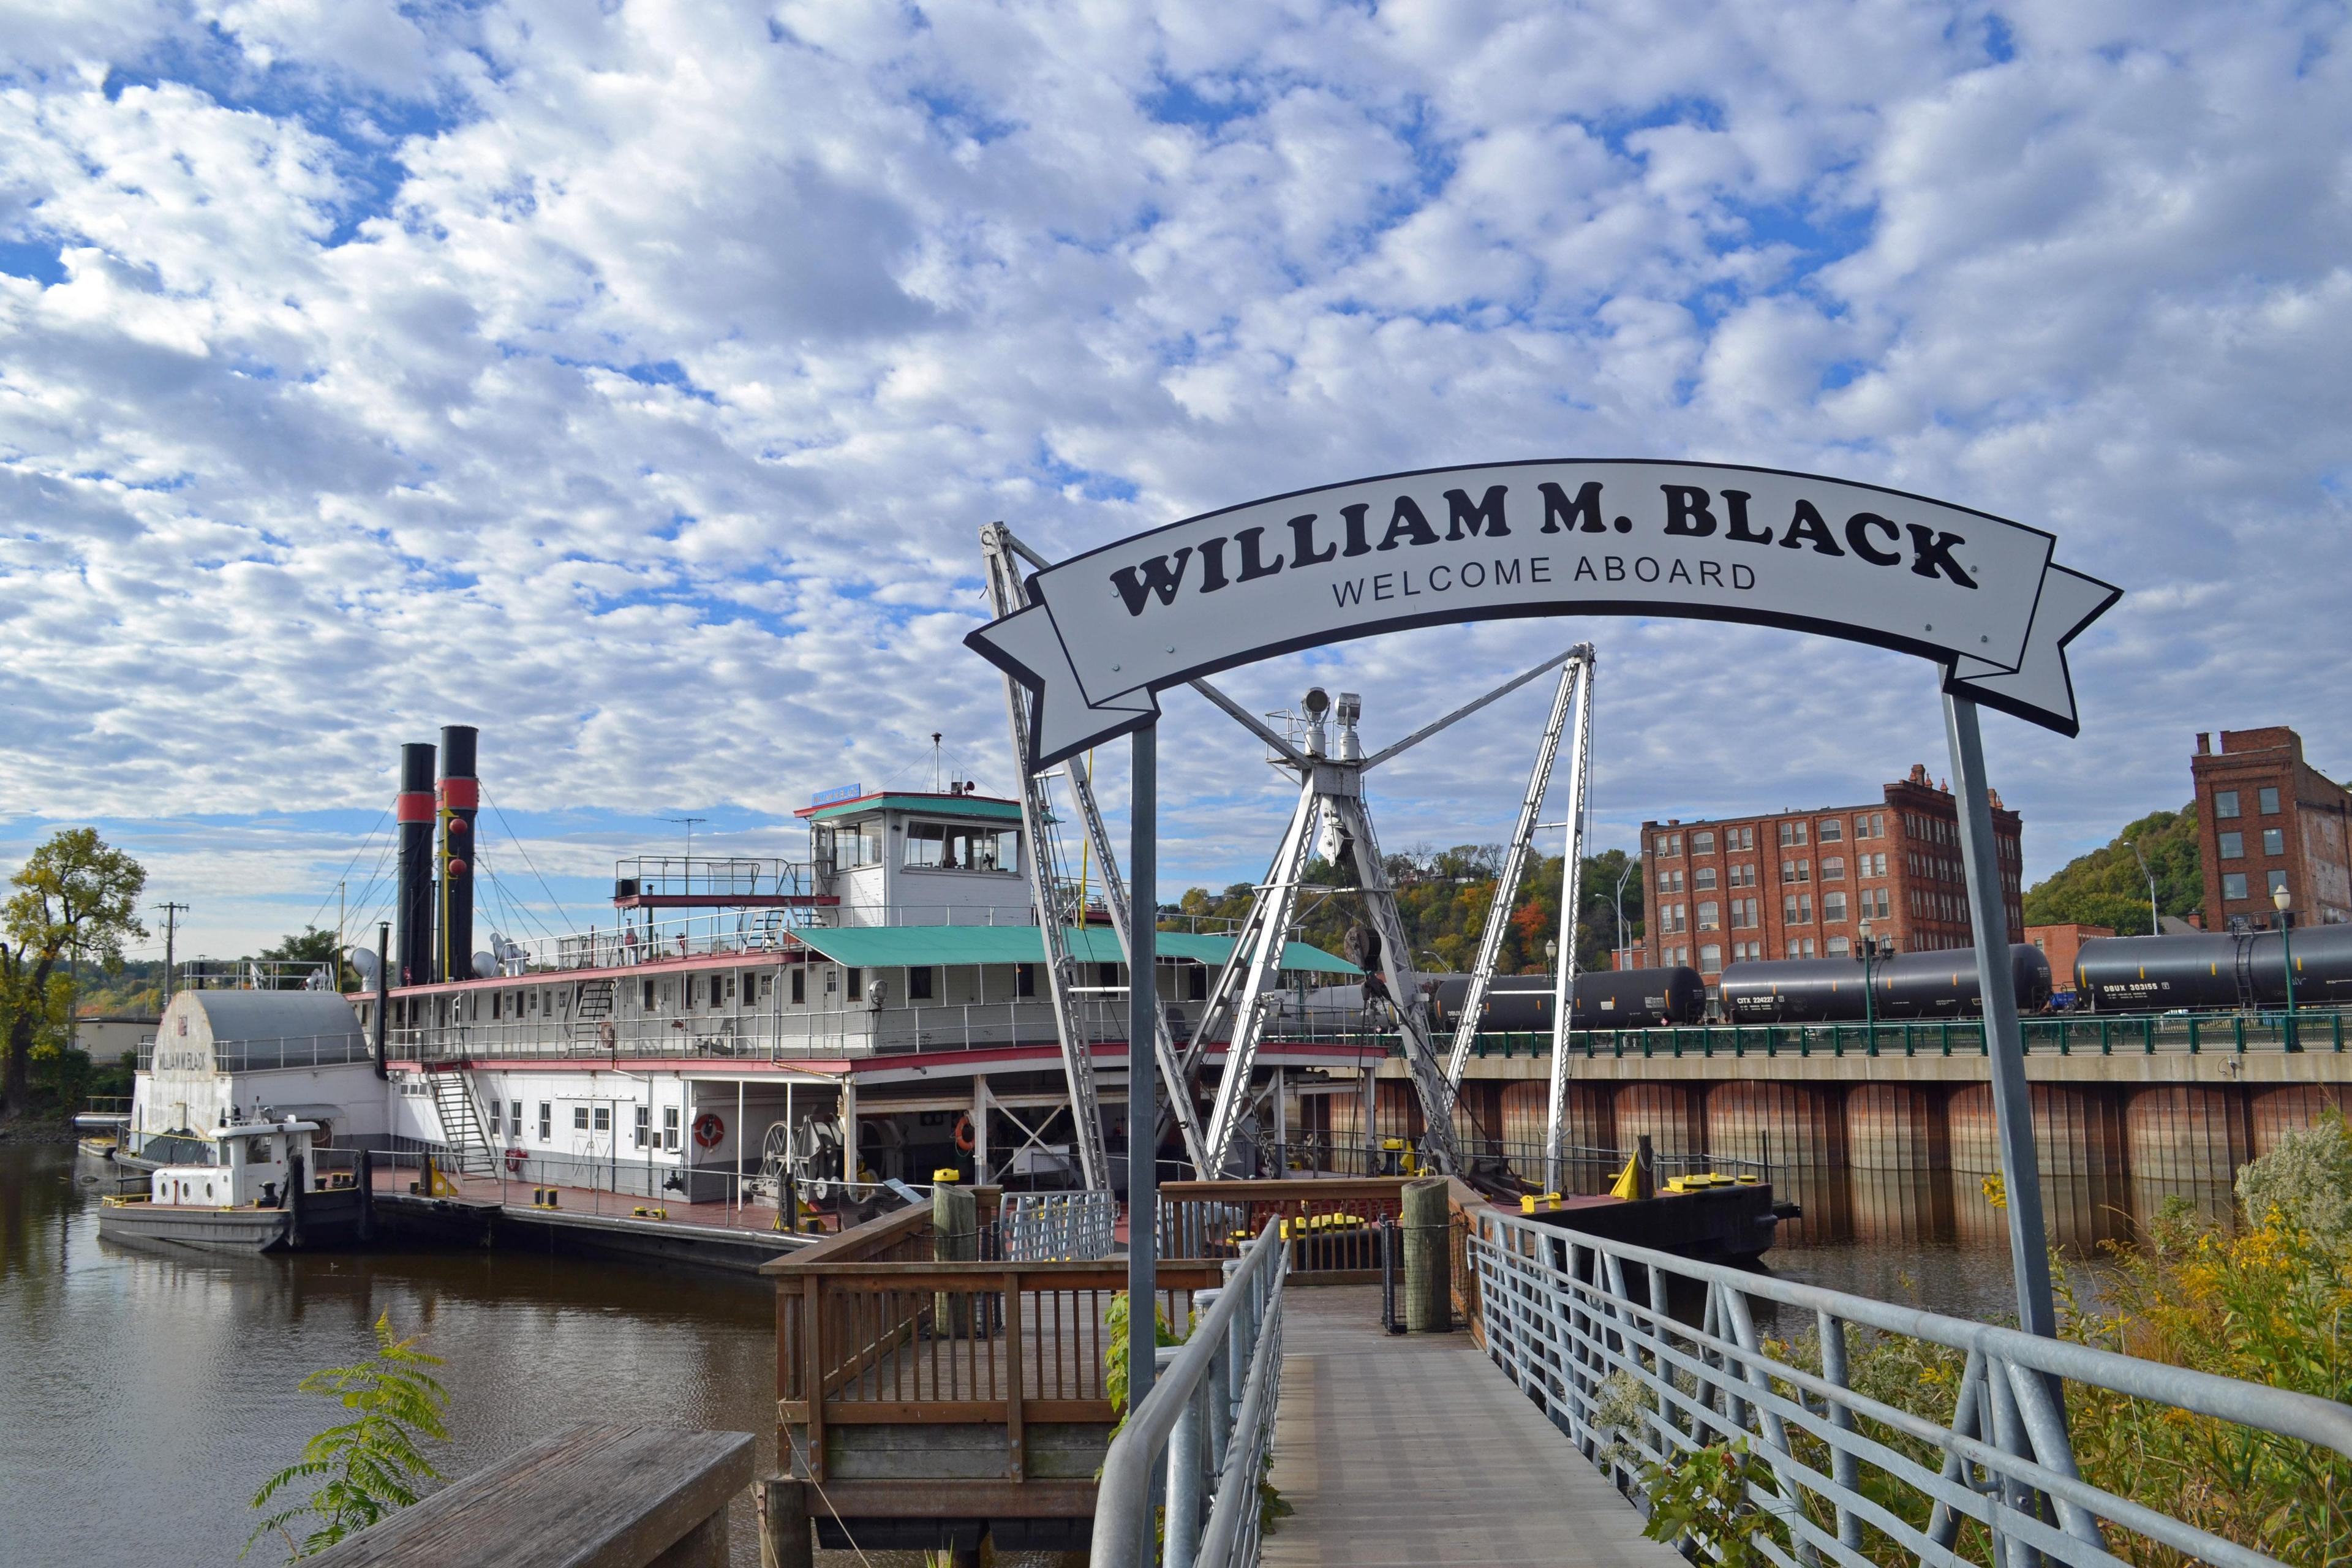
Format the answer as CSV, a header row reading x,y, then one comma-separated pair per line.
x,y
2106,887
76,895
370,1468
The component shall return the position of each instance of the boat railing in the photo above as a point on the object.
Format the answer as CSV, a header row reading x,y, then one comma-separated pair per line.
x,y
256,975
254,1055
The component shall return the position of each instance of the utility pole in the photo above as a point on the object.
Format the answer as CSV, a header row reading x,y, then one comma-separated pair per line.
x,y
170,932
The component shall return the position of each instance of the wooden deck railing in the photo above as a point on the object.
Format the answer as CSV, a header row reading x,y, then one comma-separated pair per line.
x,y
872,1332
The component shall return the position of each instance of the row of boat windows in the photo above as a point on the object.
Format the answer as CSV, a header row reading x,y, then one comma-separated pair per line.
x,y
930,845
821,985
504,1120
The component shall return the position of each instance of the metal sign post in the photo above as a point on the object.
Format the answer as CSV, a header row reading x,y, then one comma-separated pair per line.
x,y
2012,1099
1142,1023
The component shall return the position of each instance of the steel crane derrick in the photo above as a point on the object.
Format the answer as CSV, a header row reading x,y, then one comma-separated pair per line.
x,y
1000,547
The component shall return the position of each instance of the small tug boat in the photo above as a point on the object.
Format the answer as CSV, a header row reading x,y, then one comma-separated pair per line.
x,y
263,1195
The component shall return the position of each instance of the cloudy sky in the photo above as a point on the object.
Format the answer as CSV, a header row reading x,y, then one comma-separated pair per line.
x,y
631,380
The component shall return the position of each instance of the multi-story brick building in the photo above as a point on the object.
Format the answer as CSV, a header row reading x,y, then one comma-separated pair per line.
x,y
2266,819
1802,884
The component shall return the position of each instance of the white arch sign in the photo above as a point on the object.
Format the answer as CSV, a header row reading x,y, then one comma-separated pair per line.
x,y
1978,594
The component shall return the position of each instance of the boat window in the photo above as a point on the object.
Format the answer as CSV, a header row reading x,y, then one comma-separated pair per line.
x,y
919,984
849,845
546,1123
962,846
857,983
580,1119
644,1127
1024,980
799,984
603,1118
669,1128
514,1117
645,996
493,1109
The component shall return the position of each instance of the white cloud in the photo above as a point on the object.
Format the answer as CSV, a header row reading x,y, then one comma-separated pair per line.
x,y
633,383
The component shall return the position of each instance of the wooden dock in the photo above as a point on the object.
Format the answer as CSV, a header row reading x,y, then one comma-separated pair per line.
x,y
1414,1451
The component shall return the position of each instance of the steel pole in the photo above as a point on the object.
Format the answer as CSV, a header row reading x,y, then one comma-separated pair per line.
x,y
2029,1241
1142,1115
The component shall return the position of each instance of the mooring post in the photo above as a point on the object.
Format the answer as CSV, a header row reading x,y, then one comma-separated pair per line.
x,y
1428,1282
955,1238
2021,1170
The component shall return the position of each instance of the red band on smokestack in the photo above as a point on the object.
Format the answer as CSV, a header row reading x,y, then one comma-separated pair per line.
x,y
461,793
416,807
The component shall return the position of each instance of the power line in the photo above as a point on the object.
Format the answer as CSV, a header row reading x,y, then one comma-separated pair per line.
x,y
516,839
313,921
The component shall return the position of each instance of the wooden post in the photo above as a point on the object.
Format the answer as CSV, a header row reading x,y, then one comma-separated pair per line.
x,y
295,1177
365,1160
955,1238
1428,1281
785,1523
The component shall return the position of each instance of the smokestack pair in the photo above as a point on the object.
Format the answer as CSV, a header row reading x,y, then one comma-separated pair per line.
x,y
420,809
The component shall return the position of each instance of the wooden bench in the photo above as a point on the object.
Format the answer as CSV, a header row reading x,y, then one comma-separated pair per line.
x,y
591,1496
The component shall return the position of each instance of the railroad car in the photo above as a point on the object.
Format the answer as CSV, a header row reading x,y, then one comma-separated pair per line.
x,y
1605,999
2214,969
1910,985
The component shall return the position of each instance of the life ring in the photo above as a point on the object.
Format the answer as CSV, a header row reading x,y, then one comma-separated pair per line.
x,y
965,1140
514,1161
709,1130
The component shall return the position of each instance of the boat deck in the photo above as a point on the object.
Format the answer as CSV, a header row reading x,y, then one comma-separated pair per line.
x,y
588,1202
1413,1451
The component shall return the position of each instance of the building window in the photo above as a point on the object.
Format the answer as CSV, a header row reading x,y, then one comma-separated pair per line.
x,y
2277,881
1672,844
1707,915
1702,843
1743,876
1792,832
1831,829
546,1123
962,846
1803,948
2269,802
1670,882
1710,958
854,978
669,1128
2233,886
1739,838
1837,947
1833,867
645,1129
1832,906
2273,841
1704,878
2225,803
580,1119
2233,846
919,984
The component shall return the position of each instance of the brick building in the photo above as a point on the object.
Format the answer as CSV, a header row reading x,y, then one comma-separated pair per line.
x,y
2267,819
2062,945
1800,884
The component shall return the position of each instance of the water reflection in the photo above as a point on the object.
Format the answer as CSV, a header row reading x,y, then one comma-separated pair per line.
x,y
150,1393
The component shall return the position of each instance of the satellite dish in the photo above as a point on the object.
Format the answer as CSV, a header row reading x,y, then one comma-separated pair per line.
x,y
486,966
365,963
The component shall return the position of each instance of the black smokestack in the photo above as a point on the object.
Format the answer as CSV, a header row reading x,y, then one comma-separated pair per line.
x,y
461,795
415,813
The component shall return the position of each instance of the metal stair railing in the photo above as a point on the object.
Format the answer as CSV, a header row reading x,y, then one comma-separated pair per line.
x,y
1569,1318
1204,1430
461,1128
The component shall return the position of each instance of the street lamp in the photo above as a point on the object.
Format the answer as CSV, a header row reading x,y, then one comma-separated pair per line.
x,y
1866,953
2280,900
2154,929
1618,898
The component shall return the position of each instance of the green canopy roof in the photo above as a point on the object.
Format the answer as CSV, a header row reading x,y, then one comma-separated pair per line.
x,y
929,804
891,947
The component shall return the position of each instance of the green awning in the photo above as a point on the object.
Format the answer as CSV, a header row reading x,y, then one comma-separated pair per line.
x,y
928,805
894,947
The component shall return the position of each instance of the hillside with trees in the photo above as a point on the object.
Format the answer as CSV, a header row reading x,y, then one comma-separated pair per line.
x,y
1442,897
2105,887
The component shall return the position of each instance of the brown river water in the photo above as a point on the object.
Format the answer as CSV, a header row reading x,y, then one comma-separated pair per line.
x,y
146,1394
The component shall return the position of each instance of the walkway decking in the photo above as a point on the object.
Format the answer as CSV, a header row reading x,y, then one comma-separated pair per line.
x,y
1413,1451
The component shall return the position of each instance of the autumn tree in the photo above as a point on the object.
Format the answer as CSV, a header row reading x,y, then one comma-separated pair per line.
x,y
77,895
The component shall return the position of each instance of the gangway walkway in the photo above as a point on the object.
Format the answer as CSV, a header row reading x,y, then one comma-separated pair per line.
x,y
1409,1451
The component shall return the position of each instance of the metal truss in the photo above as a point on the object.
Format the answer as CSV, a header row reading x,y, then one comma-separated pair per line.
x,y
1006,593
